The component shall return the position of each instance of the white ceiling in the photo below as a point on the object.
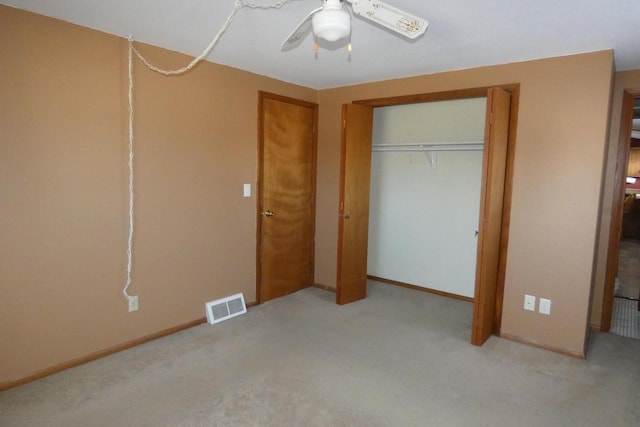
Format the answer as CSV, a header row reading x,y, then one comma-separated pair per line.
x,y
462,34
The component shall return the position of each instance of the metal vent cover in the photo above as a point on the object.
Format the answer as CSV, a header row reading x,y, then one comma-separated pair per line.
x,y
225,308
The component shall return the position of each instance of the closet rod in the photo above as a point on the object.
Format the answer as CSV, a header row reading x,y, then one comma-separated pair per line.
x,y
460,146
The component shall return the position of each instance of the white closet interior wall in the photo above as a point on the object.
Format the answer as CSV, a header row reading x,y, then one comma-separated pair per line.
x,y
424,214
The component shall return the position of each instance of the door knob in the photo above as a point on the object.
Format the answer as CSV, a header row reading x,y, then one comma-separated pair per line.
x,y
268,213
347,216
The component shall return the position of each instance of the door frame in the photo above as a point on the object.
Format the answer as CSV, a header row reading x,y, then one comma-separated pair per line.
x,y
262,95
613,252
514,90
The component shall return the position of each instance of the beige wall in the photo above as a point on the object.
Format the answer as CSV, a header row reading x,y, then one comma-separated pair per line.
x,y
63,185
63,177
623,80
560,148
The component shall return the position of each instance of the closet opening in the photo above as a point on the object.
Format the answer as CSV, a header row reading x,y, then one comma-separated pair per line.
x,y
438,200
426,174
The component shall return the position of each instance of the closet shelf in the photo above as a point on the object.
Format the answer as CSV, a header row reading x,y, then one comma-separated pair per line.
x,y
441,146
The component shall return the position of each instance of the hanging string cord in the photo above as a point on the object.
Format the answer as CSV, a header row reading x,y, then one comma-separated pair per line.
x,y
239,4
130,239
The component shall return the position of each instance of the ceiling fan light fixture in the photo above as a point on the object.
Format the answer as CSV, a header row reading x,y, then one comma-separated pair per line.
x,y
332,21
331,25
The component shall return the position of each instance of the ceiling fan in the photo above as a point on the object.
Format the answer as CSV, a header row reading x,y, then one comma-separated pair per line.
x,y
332,21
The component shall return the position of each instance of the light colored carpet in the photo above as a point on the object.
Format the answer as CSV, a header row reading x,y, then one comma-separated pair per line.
x,y
625,320
398,358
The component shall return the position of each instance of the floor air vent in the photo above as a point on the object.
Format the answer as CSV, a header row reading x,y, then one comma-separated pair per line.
x,y
225,308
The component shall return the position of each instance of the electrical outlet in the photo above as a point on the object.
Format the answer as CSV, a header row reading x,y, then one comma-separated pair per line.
x,y
133,303
530,302
545,306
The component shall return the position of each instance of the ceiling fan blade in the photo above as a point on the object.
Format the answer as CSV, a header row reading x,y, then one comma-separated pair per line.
x,y
390,17
301,31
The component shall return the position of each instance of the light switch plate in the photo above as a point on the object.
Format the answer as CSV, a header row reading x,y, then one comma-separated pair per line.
x,y
247,190
530,302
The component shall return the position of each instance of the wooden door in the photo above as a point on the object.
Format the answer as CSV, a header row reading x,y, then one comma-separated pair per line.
x,y
491,208
286,182
629,97
353,223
